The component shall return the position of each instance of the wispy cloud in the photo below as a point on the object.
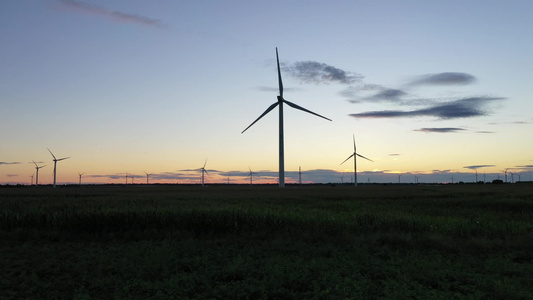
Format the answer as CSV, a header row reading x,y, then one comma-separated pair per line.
x,y
9,163
440,129
117,16
463,108
320,73
386,94
446,78
474,167
484,131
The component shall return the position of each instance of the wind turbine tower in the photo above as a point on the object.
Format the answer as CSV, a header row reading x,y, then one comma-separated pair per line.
x,y
251,174
280,103
147,177
354,155
55,164
37,173
80,174
204,171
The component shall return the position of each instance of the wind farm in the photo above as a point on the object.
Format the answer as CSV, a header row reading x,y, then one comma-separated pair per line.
x,y
132,96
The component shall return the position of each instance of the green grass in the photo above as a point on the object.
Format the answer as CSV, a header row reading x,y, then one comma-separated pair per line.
x,y
263,242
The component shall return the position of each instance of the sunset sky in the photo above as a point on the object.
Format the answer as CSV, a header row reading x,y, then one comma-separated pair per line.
x,y
434,89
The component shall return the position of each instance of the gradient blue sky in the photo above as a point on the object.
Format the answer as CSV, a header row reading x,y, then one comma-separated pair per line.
x,y
429,88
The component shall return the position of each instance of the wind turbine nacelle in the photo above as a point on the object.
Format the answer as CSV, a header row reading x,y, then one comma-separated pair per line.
x,y
280,99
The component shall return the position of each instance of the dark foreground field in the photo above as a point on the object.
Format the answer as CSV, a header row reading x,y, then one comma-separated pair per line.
x,y
263,242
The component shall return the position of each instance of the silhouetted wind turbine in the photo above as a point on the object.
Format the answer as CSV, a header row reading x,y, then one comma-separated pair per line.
x,y
126,178
80,177
251,174
354,155
55,164
147,176
31,183
37,173
506,174
279,103
204,171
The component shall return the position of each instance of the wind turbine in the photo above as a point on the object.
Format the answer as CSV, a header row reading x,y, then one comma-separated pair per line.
x,y
251,174
299,175
37,173
55,164
279,103
204,171
31,183
126,178
147,176
80,177
354,155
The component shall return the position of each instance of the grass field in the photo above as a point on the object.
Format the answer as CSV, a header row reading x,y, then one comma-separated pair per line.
x,y
263,242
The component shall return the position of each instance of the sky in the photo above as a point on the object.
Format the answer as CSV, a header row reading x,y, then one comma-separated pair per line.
x,y
433,91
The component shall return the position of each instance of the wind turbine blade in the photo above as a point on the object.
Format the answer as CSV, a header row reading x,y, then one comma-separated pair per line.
x,y
306,110
63,158
51,153
35,163
271,107
354,150
347,159
364,157
279,76
205,163
206,172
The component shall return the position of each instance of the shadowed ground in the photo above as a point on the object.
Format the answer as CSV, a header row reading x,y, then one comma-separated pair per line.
x,y
262,242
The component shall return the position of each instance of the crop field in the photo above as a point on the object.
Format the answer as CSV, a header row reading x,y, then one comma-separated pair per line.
x,y
464,241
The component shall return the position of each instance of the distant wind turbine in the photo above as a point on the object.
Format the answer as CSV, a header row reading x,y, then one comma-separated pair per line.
x,y
147,177
279,103
37,173
354,155
55,164
80,174
126,178
31,183
299,175
251,174
204,171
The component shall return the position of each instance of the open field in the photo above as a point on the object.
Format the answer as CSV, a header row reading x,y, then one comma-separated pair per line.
x,y
263,242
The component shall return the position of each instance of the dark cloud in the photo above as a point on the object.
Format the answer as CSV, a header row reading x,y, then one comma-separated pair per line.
x,y
477,166
116,16
320,73
525,166
275,89
387,95
440,129
9,163
463,108
446,78
394,154
12,175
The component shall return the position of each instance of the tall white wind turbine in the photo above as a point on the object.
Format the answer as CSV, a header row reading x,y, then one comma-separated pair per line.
x,y
204,171
37,172
279,103
55,164
354,155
